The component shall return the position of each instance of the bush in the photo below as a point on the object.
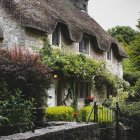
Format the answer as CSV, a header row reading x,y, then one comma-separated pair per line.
x,y
105,115
137,89
131,77
59,113
23,69
130,115
15,110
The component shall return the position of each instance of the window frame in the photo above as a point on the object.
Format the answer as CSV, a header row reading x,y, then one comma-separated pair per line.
x,y
1,42
83,90
109,55
56,33
84,45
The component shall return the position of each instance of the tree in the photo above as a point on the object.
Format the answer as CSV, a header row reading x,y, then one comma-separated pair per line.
x,y
138,24
124,34
135,53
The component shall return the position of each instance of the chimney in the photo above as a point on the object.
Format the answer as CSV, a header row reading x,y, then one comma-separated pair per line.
x,y
81,4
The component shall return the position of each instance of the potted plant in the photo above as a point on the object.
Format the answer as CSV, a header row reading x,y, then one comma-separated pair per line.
x,y
75,114
90,98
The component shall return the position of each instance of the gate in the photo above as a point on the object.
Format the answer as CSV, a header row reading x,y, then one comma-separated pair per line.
x,y
107,117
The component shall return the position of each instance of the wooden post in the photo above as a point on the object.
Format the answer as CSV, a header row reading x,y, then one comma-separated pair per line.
x,y
95,112
117,122
95,109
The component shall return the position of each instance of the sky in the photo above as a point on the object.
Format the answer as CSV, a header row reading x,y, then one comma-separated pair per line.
x,y
109,13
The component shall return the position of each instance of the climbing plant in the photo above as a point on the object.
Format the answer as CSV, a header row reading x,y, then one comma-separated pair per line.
x,y
78,66
69,64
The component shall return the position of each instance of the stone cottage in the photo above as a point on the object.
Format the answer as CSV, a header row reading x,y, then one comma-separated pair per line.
x,y
68,25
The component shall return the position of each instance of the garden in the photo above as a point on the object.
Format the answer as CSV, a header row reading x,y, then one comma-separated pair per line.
x,y
25,75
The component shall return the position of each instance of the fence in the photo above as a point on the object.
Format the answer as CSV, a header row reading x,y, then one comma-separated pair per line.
x,y
107,116
102,115
20,120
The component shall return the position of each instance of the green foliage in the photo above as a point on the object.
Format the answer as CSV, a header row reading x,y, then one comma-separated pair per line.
x,y
114,84
74,104
59,113
124,34
130,115
135,53
14,109
26,71
137,89
130,39
69,64
131,77
120,98
138,24
105,114
75,66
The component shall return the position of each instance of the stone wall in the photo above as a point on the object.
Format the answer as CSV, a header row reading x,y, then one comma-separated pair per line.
x,y
13,33
34,38
70,131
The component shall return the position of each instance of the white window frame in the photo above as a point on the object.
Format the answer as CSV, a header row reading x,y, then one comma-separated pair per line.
x,y
109,55
83,50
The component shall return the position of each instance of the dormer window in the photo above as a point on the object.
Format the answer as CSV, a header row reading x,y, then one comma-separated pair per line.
x,y
109,55
1,41
56,37
84,45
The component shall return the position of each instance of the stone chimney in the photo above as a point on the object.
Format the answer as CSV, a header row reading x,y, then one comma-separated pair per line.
x,y
82,4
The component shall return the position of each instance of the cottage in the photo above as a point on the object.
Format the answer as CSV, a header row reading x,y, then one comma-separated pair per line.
x,y
68,25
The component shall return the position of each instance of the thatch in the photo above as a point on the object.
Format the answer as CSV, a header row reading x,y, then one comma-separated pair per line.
x,y
45,14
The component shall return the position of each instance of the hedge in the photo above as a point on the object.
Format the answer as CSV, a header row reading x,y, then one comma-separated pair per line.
x,y
59,113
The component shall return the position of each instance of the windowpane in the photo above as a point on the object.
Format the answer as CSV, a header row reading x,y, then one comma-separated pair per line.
x,y
109,55
81,46
84,45
56,37
84,89
1,40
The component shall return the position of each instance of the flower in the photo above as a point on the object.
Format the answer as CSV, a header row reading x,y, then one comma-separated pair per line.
x,y
75,114
90,98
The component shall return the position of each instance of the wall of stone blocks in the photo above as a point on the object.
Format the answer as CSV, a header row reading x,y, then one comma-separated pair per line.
x,y
13,33
69,132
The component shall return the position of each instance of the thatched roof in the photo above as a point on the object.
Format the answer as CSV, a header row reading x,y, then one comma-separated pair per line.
x,y
45,14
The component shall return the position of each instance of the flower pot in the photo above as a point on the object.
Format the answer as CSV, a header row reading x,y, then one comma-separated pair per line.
x,y
90,98
75,114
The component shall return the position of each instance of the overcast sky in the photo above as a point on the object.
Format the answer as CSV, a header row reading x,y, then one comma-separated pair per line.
x,y
109,13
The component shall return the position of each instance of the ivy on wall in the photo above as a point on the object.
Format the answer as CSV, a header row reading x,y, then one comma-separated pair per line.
x,y
78,66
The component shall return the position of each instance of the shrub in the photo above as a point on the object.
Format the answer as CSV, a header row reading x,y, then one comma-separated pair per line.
x,y
105,115
14,109
23,69
130,115
59,113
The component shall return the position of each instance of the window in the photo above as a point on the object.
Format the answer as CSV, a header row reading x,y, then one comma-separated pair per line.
x,y
84,90
1,40
119,62
56,37
109,54
84,45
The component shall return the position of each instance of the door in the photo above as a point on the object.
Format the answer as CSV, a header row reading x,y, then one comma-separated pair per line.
x,y
52,98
